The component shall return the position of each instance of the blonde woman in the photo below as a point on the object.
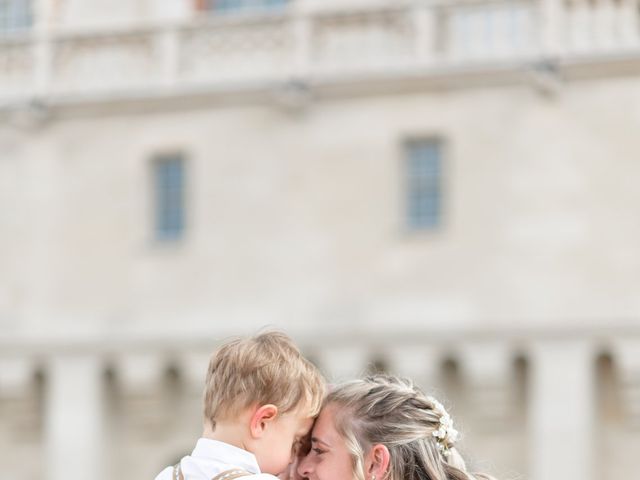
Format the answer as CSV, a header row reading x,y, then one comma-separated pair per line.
x,y
383,428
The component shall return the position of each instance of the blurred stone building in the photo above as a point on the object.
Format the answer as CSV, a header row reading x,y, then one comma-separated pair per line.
x,y
446,189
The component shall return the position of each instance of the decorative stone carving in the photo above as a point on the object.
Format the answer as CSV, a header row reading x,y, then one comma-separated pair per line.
x,y
235,50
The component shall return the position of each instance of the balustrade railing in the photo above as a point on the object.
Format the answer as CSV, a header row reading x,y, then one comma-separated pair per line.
x,y
278,46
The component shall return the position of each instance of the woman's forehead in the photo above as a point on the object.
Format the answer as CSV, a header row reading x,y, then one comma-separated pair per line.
x,y
324,429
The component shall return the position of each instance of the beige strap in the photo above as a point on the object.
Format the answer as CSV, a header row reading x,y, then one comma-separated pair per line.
x,y
226,475
231,474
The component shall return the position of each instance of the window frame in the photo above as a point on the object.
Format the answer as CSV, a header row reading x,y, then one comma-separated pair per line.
x,y
169,213
417,191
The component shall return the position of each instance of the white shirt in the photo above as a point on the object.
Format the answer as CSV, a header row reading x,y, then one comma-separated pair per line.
x,y
211,457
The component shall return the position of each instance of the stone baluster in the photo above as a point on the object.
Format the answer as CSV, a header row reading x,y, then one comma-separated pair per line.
x,y
169,46
553,23
580,25
44,15
604,28
628,22
302,32
424,16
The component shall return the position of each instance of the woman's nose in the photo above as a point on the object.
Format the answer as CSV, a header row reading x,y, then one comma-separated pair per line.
x,y
304,467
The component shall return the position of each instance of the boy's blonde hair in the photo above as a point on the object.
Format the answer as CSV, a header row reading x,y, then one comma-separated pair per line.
x,y
265,369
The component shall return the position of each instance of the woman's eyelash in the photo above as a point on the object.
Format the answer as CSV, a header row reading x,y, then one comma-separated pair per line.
x,y
318,451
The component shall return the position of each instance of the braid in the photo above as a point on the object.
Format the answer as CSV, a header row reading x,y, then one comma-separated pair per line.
x,y
416,429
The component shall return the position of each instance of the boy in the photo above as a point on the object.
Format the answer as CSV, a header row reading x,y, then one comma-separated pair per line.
x,y
260,398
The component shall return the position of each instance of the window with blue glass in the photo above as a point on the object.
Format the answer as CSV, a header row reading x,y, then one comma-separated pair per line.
x,y
169,192
242,5
15,15
423,184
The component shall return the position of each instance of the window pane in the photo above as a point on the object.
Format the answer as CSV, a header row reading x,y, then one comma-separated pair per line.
x,y
169,197
15,15
423,184
241,5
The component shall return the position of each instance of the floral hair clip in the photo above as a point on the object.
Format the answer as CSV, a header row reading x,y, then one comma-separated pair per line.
x,y
446,435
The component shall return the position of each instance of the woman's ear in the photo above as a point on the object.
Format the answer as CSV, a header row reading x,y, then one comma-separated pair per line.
x,y
377,462
261,418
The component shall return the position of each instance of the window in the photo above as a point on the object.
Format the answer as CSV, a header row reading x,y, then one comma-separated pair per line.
x,y
423,183
15,15
169,193
223,6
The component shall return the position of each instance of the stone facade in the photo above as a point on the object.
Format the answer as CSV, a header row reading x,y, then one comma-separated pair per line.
x,y
520,309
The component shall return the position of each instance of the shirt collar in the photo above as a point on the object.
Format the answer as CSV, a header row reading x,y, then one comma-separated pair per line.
x,y
226,453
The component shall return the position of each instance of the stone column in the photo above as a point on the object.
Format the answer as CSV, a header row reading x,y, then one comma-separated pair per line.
x,y
489,376
18,403
140,379
561,410
74,418
302,35
627,359
169,51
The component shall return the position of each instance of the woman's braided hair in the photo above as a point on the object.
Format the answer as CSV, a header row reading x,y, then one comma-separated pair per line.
x,y
416,429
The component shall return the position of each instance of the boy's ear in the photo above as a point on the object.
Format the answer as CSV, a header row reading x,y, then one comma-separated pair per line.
x,y
261,418
377,462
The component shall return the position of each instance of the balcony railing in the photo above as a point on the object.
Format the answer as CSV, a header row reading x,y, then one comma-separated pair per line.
x,y
262,48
